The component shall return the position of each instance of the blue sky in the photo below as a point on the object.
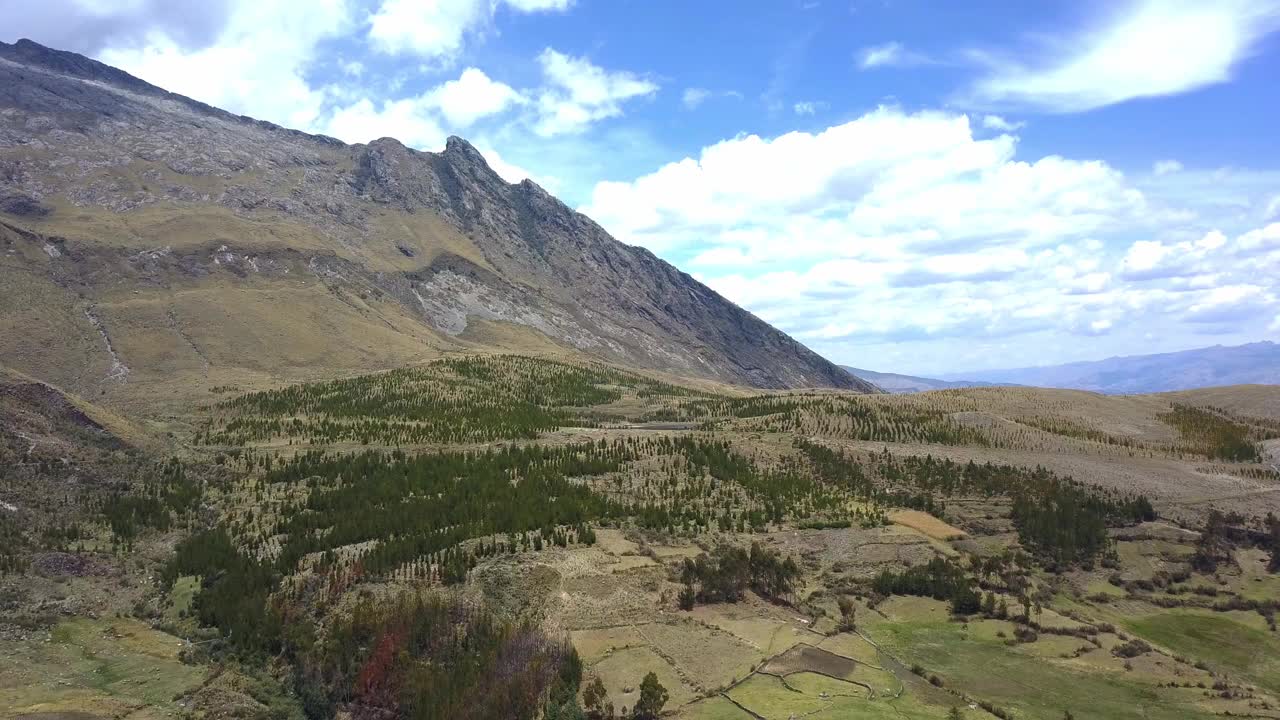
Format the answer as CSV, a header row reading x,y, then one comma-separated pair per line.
x,y
903,185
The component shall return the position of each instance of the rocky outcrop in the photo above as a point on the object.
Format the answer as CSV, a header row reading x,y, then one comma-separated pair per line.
x,y
78,135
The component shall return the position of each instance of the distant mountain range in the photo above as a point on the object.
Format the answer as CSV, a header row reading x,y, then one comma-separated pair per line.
x,y
898,383
1254,363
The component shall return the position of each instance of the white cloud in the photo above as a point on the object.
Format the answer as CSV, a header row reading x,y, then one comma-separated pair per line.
x,y
256,66
421,121
1153,259
809,107
1230,302
883,180
578,93
437,29
88,27
693,97
890,54
910,228
529,6
472,96
1258,241
1212,255
410,121
1273,208
996,122
1151,48
1166,167
1144,258
513,173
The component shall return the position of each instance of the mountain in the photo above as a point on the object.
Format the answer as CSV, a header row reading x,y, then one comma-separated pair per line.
x,y
154,245
1254,363
897,383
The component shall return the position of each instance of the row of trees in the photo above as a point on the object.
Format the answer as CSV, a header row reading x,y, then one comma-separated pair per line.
x,y
471,399
847,417
423,504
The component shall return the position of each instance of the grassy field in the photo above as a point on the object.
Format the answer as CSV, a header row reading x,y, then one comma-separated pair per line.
x,y
1029,683
98,668
1240,646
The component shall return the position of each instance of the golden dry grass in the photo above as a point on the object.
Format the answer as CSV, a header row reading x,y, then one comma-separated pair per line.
x,y
927,524
1262,401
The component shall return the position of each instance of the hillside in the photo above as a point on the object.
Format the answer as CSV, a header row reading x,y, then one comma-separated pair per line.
x,y
898,383
1254,363
156,247
571,527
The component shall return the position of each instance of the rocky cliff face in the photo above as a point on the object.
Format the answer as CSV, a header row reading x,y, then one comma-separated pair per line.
x,y
149,236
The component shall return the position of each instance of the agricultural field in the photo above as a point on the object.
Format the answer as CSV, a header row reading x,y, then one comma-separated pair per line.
x,y
558,538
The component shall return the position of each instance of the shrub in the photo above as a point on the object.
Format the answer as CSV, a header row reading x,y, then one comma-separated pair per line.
x,y
1131,649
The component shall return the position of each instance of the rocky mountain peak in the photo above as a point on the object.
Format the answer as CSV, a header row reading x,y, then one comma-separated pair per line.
x,y
462,152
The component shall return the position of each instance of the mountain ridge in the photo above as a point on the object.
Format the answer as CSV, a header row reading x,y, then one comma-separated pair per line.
x,y
900,383
1255,363
186,243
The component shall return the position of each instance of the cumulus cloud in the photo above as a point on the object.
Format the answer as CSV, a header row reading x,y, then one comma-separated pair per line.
x,y
884,180
578,93
996,122
1229,303
409,120
1155,259
1148,49
1262,240
87,27
256,64
438,28
420,121
908,227
472,96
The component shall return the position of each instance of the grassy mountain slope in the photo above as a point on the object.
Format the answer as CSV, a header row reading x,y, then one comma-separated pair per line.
x,y
152,246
